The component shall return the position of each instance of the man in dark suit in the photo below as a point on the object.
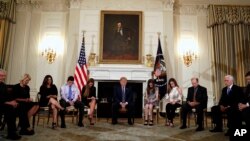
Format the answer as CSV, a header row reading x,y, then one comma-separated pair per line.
x,y
231,96
8,106
122,100
196,99
244,106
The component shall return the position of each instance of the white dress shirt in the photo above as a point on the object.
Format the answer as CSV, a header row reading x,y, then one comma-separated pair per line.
x,y
65,92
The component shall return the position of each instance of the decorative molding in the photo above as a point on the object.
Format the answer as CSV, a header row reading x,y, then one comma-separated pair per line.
x,y
32,3
27,5
200,9
168,5
74,4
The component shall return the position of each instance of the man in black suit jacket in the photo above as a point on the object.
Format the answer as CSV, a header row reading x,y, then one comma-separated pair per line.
x,y
231,96
244,106
8,106
196,98
123,100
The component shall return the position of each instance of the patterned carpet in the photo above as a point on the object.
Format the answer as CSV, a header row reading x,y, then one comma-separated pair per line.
x,y
104,131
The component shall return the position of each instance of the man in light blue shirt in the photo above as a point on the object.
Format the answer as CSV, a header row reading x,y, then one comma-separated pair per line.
x,y
70,97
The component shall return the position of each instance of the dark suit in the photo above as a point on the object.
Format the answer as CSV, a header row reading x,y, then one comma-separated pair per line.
x,y
201,97
9,111
117,98
246,111
232,99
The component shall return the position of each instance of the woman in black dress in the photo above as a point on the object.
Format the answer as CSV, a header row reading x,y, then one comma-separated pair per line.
x,y
89,98
48,92
27,108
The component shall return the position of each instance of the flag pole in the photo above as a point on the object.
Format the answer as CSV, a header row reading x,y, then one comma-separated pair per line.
x,y
159,34
83,32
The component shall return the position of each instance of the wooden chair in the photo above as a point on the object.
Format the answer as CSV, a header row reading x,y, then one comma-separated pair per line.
x,y
43,112
156,113
72,112
194,114
122,111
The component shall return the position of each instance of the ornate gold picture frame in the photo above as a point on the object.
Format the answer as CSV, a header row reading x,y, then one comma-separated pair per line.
x,y
121,37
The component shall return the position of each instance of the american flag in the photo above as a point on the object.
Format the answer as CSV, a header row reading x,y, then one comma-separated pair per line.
x,y
81,69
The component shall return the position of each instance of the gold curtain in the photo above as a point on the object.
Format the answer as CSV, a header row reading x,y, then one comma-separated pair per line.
x,y
230,34
7,20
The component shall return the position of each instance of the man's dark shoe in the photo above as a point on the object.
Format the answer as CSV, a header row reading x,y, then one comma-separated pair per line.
x,y
199,129
80,124
183,127
130,122
14,137
216,130
26,132
63,126
114,122
227,133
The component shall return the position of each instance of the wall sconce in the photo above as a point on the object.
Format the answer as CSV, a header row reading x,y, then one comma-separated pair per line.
x,y
49,54
51,46
189,57
188,51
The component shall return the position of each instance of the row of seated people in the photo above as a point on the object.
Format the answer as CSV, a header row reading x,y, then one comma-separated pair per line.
x,y
234,102
20,104
123,99
196,98
69,97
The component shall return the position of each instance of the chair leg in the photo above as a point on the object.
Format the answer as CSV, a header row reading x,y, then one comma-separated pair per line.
x,y
33,121
43,122
195,118
188,119
48,117
37,120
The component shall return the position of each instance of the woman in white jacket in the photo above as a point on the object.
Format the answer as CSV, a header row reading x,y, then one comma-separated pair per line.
x,y
174,100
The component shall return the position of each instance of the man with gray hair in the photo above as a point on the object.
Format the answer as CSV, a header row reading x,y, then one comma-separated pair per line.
x,y
8,106
231,96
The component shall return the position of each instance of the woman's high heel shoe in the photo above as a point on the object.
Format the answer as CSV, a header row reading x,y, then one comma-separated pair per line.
x,y
151,123
53,125
90,120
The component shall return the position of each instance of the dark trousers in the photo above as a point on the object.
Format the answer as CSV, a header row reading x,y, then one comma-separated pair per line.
x,y
78,105
23,116
115,111
216,116
170,110
10,117
187,108
246,117
234,118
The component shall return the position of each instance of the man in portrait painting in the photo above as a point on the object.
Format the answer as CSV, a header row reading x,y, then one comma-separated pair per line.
x,y
122,40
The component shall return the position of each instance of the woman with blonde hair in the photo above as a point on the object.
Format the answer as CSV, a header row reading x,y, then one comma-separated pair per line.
x,y
89,98
27,108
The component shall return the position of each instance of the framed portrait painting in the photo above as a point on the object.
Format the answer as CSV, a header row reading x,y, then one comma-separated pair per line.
x,y
121,37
